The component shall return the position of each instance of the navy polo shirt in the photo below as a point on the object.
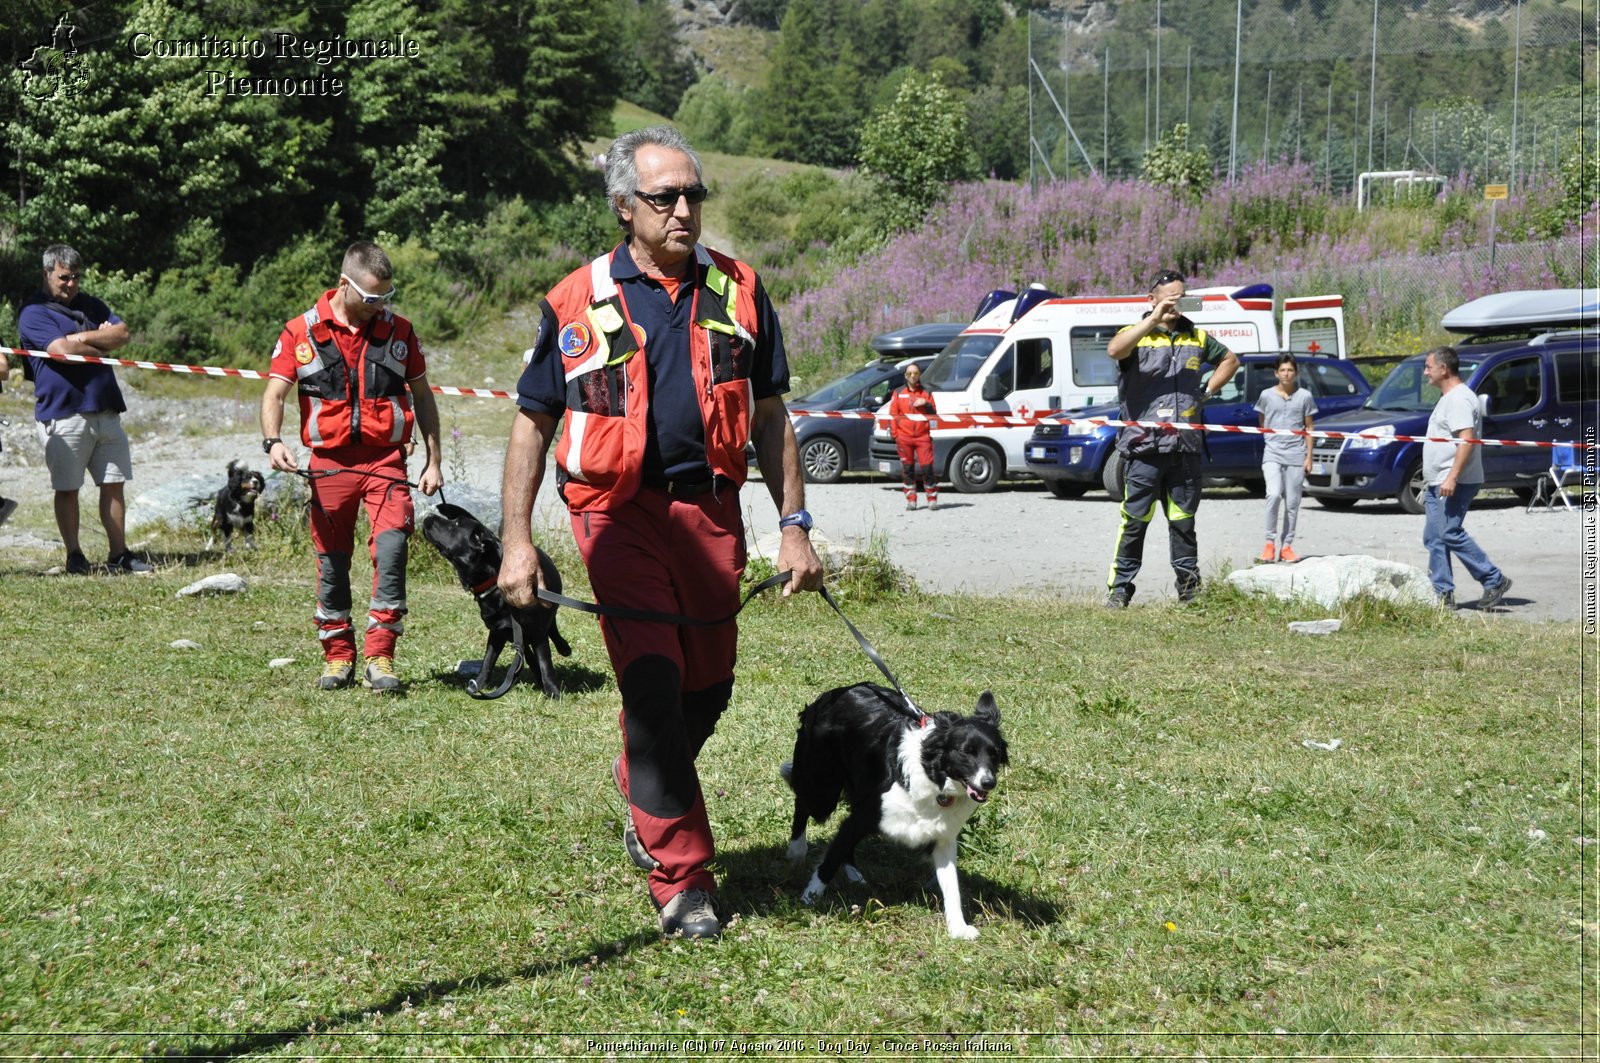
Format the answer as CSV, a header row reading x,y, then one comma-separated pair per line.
x,y
675,444
61,389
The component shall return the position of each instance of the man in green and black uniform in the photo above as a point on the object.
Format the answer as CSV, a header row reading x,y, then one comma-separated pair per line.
x,y
1161,376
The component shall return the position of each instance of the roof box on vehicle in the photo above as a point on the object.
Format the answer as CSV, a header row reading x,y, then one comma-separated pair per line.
x,y
929,338
1539,309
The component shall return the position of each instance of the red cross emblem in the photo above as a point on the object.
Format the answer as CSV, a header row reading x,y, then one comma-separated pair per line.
x,y
1024,411
1313,346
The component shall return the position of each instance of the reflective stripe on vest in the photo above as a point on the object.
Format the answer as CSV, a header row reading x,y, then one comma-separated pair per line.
x,y
608,395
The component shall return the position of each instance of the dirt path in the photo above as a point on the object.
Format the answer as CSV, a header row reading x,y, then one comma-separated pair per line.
x,y
1016,540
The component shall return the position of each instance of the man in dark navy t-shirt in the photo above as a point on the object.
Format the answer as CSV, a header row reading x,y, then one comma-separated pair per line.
x,y
662,359
79,407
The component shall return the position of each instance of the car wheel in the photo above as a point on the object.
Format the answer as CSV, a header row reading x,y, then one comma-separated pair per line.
x,y
1336,501
1067,488
975,468
823,460
1111,475
1412,490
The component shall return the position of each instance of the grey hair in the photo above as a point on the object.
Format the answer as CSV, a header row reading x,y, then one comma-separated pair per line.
x,y
622,171
368,258
1447,358
61,255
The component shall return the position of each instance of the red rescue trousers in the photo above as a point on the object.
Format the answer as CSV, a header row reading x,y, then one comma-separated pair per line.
x,y
684,557
365,476
916,466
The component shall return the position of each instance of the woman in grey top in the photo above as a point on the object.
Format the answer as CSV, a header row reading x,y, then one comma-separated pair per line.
x,y
1286,459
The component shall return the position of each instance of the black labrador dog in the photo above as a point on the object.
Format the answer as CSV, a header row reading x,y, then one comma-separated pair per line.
x,y
474,552
235,509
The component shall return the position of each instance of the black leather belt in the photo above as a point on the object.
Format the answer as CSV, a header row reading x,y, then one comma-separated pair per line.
x,y
688,488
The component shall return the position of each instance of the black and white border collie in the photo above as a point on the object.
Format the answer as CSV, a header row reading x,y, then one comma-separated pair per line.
x,y
916,784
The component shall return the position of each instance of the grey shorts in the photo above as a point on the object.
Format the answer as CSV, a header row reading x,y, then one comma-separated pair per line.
x,y
86,442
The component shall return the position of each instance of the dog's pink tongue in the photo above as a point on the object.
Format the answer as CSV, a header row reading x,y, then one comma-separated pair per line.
x,y
976,794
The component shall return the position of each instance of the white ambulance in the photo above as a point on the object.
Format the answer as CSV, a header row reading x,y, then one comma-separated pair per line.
x,y
1035,353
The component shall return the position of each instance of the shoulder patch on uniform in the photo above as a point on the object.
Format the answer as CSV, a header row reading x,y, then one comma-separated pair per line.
x,y
638,335
400,350
302,352
574,339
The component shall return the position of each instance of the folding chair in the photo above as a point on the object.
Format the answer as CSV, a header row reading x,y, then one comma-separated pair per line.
x,y
1564,468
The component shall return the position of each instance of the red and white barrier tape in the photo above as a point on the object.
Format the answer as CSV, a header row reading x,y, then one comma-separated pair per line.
x,y
218,370
940,420
969,420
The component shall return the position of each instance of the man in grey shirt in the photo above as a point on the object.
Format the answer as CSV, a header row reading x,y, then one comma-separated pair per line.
x,y
1454,472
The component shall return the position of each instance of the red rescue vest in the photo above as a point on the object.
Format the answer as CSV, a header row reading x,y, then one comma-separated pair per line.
x,y
905,401
369,405
601,453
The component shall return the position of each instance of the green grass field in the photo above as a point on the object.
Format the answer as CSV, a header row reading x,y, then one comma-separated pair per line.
x,y
200,854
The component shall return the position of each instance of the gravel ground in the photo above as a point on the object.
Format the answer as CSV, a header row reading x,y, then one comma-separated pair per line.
x,y
1016,540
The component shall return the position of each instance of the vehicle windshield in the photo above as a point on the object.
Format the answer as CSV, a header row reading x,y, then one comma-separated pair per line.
x,y
958,363
843,388
1406,390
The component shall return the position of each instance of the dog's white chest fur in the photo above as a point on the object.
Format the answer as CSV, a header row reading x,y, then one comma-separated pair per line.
x,y
914,815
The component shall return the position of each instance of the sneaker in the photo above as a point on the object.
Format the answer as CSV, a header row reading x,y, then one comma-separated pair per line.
x,y
77,564
1493,595
1268,555
630,838
1447,600
911,504
336,675
933,503
126,562
379,676
8,506
1288,556
690,915
1119,597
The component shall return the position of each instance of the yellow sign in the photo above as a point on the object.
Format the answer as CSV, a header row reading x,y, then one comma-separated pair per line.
x,y
1496,191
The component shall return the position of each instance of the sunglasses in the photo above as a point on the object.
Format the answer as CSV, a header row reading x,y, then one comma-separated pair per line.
x,y
668,197
368,298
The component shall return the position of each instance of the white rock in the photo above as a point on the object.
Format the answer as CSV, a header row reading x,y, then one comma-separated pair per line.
x,y
184,644
1327,747
280,662
1315,627
221,583
1330,580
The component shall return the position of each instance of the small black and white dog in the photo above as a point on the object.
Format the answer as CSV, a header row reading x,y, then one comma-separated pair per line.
x,y
918,785
474,552
236,507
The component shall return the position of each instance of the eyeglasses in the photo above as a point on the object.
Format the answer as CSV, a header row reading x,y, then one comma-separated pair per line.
x,y
369,299
668,197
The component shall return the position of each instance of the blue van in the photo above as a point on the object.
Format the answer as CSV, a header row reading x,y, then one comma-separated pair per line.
x,y
1072,458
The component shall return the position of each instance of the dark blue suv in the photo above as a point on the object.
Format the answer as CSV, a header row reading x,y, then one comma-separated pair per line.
x,y
1543,389
1072,458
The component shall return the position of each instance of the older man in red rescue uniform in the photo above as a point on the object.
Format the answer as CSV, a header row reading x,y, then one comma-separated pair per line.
x,y
666,358
362,382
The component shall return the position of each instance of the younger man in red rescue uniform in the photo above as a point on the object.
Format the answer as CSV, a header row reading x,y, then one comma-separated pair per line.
x,y
362,382
665,358
913,437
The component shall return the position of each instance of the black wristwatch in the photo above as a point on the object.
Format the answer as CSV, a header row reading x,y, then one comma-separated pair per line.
x,y
268,444
799,518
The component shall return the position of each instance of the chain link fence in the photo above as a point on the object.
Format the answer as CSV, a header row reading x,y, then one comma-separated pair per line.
x,y
1493,91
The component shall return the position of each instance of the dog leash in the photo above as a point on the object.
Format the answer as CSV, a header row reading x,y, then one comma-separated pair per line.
x,y
911,708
